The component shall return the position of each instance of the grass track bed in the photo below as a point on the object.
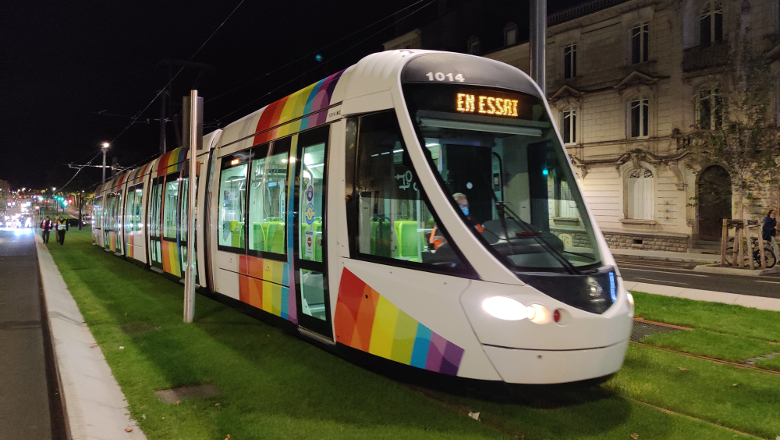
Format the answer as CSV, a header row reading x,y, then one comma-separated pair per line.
x,y
715,345
275,386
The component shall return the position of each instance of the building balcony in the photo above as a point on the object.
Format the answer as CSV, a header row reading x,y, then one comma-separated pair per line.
x,y
700,58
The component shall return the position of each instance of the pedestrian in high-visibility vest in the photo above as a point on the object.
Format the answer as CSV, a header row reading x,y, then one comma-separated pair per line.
x,y
62,226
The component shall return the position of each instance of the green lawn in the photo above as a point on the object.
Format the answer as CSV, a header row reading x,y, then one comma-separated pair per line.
x,y
716,317
715,345
275,386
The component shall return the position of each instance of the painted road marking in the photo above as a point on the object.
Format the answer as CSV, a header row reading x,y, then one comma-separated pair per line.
x,y
770,282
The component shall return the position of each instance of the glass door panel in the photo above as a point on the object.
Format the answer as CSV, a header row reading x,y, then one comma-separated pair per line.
x,y
310,249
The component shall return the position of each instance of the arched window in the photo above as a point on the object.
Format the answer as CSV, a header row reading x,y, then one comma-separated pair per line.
x,y
639,117
711,23
569,125
640,194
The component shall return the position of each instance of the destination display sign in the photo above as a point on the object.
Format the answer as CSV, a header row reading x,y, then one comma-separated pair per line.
x,y
486,105
473,101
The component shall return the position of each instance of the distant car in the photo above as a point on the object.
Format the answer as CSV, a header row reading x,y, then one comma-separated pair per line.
x,y
74,223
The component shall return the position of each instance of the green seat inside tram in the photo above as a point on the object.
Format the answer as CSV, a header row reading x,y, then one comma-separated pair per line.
x,y
380,238
236,234
407,240
273,235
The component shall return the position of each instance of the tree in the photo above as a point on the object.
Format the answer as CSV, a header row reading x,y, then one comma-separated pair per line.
x,y
734,129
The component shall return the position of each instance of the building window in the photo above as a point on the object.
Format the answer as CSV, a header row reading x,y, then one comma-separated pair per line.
x,y
711,24
569,126
640,118
709,112
639,44
473,45
510,34
570,61
640,194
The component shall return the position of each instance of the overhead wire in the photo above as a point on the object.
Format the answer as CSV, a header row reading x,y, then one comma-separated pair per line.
x,y
335,56
78,171
138,115
313,52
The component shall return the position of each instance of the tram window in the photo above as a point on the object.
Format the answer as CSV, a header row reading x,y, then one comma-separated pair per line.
x,y
135,196
267,198
394,219
98,212
232,202
171,207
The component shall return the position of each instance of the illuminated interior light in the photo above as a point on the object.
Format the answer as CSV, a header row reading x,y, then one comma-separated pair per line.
x,y
505,308
399,151
234,162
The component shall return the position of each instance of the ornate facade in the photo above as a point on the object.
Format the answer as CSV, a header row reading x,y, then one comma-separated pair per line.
x,y
628,80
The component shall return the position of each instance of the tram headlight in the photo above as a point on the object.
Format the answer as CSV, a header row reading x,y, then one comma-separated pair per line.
x,y
505,308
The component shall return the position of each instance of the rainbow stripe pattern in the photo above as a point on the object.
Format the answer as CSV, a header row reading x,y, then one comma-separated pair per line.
x,y
171,161
285,116
367,321
265,284
170,257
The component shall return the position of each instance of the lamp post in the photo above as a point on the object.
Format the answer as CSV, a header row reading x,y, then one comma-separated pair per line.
x,y
105,148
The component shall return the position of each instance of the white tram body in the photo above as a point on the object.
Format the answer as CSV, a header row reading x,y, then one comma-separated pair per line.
x,y
417,206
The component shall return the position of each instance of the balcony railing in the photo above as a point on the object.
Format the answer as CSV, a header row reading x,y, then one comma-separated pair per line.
x,y
698,58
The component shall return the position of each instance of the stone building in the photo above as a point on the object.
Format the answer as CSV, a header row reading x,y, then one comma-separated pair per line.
x,y
628,80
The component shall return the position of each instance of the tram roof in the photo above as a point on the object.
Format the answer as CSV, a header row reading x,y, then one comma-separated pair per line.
x,y
320,102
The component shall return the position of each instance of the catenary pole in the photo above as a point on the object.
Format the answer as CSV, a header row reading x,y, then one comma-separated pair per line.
x,y
195,138
538,42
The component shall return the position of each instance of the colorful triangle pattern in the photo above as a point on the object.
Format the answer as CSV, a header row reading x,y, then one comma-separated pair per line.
x,y
367,321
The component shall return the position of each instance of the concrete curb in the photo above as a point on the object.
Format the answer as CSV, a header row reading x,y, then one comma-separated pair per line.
x,y
681,257
756,302
95,406
735,271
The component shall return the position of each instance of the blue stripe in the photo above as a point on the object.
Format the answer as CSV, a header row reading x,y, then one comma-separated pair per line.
x,y
421,343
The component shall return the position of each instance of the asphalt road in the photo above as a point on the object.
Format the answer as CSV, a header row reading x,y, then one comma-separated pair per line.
x,y
682,275
30,406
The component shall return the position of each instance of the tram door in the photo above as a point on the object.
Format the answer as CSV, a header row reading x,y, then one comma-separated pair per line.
x,y
310,248
155,206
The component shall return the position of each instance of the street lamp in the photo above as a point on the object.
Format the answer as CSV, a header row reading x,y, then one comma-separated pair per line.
x,y
105,148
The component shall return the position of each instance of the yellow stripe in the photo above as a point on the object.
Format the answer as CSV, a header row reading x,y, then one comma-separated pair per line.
x,y
405,332
267,296
383,330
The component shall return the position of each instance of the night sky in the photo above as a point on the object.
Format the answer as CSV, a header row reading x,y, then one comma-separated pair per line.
x,y
75,72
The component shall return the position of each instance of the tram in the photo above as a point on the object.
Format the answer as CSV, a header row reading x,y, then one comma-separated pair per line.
x,y
417,207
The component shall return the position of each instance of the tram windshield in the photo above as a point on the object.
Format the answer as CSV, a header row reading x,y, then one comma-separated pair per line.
x,y
500,160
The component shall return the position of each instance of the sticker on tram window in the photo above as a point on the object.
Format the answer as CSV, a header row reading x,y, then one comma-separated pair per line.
x,y
441,76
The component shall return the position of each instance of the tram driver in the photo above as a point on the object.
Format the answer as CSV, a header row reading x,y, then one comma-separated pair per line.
x,y
437,239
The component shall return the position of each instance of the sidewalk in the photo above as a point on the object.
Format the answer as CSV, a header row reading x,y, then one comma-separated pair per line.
x,y
94,403
756,302
704,262
683,257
